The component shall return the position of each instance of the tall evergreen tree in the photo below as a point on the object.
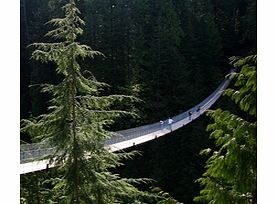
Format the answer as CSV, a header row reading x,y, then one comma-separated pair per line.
x,y
76,122
167,51
231,174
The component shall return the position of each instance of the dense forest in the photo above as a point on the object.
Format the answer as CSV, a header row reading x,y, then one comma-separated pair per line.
x,y
170,54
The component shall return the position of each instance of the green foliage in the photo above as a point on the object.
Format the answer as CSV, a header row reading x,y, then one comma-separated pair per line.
x,y
167,199
76,122
170,53
246,83
231,174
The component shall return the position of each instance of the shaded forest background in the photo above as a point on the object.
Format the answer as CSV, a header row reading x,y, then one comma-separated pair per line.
x,y
169,53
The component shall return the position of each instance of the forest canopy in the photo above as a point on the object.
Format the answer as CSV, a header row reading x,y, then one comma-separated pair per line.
x,y
170,54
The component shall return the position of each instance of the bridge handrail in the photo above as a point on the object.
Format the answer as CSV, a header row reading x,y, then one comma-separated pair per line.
x,y
41,150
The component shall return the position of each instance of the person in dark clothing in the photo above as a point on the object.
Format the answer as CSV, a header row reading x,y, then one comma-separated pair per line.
x,y
199,108
190,113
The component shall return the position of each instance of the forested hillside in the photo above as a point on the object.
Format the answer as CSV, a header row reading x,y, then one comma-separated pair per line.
x,y
171,54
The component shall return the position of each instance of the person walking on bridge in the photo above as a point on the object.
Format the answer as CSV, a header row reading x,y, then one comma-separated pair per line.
x,y
198,110
162,124
170,121
190,113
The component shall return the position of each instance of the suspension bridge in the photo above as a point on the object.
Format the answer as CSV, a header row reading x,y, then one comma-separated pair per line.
x,y
32,156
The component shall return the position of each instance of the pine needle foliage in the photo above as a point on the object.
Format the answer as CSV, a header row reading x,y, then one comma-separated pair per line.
x,y
76,120
231,174
246,83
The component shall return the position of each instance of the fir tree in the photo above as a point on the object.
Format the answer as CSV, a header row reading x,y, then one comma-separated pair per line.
x,y
76,122
231,174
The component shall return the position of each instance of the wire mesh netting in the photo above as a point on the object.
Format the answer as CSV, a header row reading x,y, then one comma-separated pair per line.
x,y
36,151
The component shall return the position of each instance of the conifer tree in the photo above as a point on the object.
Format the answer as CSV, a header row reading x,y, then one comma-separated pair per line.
x,y
76,122
231,173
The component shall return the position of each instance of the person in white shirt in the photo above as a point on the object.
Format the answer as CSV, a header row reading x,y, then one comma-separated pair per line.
x,y
170,121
